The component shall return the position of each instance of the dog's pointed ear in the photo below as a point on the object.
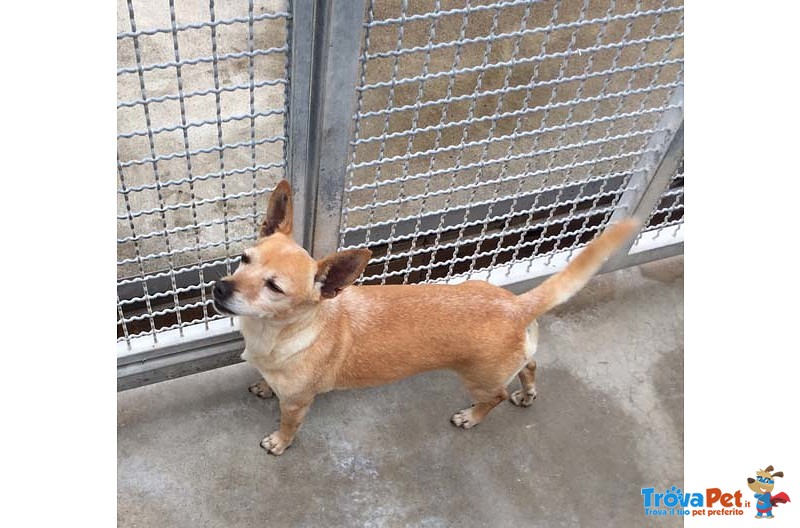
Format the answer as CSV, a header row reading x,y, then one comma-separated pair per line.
x,y
339,270
777,474
769,468
279,211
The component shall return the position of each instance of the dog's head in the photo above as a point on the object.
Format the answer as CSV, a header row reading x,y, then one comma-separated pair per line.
x,y
764,481
276,278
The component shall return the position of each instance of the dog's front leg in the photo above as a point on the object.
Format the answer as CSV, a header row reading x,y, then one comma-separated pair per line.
x,y
293,410
261,389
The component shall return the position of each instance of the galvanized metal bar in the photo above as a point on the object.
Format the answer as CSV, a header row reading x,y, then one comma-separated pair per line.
x,y
152,149
197,350
639,202
336,78
204,60
670,124
644,198
299,158
201,25
189,170
653,170
200,93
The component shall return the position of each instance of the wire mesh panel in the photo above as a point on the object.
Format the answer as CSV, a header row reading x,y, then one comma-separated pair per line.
x,y
669,211
496,132
201,113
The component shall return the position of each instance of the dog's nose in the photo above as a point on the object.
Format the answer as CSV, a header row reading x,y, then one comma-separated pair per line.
x,y
222,290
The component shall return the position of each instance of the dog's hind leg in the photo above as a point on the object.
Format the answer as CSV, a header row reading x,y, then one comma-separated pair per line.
x,y
527,377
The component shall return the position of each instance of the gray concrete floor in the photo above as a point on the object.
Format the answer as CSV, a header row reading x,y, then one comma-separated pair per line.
x,y
608,421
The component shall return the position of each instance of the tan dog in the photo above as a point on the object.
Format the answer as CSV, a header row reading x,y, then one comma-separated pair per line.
x,y
308,333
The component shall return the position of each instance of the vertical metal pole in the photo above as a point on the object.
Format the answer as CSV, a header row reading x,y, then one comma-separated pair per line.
x,y
337,41
302,38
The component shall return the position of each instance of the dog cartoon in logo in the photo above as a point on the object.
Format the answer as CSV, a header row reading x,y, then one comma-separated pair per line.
x,y
763,485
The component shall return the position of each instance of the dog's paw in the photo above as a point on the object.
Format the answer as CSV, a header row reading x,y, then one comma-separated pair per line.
x,y
464,419
522,398
261,389
275,444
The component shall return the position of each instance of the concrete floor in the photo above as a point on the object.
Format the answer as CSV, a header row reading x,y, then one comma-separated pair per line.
x,y
608,421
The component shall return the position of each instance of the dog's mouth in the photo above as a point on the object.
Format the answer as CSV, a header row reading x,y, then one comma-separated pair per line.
x,y
221,308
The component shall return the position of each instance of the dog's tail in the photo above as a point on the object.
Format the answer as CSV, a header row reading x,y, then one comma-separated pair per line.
x,y
563,285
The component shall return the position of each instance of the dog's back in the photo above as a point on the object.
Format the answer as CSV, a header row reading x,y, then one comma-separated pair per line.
x,y
404,330
397,331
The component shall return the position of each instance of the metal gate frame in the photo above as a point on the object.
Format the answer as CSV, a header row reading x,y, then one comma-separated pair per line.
x,y
324,65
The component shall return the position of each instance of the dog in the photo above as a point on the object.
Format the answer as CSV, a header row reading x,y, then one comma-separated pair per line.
x,y
308,331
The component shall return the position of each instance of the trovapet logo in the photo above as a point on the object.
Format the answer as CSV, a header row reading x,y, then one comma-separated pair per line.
x,y
763,485
714,502
711,502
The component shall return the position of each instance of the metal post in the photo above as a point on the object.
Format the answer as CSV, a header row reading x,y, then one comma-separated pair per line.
x,y
649,196
298,172
643,180
652,173
668,166
337,40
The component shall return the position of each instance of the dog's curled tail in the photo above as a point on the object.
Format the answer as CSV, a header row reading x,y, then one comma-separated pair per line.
x,y
563,285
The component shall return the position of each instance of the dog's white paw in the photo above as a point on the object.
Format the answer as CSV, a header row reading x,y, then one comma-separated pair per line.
x,y
464,419
522,398
261,389
274,444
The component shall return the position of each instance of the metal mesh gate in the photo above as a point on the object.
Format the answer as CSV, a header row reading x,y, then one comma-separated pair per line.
x,y
493,133
456,139
201,139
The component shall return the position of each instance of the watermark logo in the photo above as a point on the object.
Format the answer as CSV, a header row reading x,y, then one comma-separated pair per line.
x,y
714,502
763,485
675,502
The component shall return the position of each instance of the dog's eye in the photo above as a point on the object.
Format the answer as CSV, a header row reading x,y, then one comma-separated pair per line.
x,y
245,259
270,283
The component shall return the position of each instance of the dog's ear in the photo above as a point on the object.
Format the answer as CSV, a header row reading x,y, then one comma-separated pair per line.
x,y
778,474
339,270
769,468
279,211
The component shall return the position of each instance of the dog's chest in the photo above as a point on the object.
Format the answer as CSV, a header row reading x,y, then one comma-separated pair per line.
x,y
258,337
270,351
259,342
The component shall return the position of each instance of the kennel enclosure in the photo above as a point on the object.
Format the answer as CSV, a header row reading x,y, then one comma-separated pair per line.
x,y
455,139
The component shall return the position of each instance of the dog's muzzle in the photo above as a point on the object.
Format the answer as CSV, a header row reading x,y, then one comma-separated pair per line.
x,y
222,291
